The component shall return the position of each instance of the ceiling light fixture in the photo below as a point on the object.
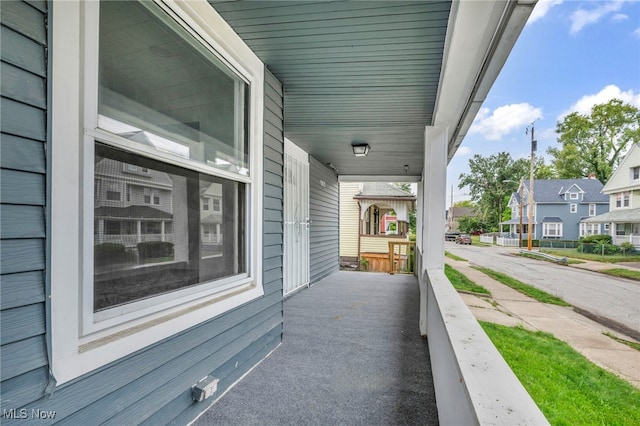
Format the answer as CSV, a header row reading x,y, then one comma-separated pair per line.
x,y
360,149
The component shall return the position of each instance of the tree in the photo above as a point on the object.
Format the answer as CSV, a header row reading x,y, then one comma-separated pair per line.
x,y
596,142
468,224
491,180
464,203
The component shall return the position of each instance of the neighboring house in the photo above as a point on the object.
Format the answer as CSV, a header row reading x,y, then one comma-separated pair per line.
x,y
133,204
193,95
623,188
378,213
454,214
560,207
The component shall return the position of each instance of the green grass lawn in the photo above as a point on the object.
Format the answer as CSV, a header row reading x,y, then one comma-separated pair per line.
x,y
523,288
574,253
625,273
461,282
568,388
454,257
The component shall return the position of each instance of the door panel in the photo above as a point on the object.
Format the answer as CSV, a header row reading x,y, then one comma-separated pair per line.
x,y
296,218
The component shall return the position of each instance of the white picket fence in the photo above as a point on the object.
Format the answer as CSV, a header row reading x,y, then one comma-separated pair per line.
x,y
507,242
486,239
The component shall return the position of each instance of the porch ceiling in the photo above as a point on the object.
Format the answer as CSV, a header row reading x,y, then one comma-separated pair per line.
x,y
365,71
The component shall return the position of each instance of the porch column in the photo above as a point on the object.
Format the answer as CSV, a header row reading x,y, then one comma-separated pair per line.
x,y
433,214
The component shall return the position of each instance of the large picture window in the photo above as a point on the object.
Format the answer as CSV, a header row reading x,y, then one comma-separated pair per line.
x,y
156,176
142,251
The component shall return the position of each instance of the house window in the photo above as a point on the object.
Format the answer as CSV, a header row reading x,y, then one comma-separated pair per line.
x,y
606,227
635,173
551,230
155,277
589,229
205,204
113,195
592,209
623,199
216,205
573,196
573,208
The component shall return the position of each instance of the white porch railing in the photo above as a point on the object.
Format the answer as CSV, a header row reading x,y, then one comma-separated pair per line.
x,y
633,239
486,239
507,242
132,240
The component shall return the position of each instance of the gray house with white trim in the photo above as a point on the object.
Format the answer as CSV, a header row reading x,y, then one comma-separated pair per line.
x,y
206,95
560,207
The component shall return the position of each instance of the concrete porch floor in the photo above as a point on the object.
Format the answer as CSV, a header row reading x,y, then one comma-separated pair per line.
x,y
351,355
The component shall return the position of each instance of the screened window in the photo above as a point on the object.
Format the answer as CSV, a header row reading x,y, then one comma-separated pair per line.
x,y
592,209
191,107
168,242
573,208
191,104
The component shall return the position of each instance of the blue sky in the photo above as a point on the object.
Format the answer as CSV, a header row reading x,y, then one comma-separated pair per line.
x,y
571,55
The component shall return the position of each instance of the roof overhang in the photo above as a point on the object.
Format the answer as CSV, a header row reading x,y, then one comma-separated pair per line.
x,y
379,73
616,216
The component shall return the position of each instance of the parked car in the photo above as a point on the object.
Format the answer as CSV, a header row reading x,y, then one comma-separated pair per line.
x,y
463,239
451,236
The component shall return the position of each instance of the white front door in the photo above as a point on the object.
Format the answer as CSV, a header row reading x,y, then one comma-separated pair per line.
x,y
296,217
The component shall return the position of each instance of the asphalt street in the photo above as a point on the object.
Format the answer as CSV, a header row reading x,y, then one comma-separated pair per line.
x,y
612,298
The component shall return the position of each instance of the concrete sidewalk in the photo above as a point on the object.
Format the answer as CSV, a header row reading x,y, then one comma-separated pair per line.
x,y
509,307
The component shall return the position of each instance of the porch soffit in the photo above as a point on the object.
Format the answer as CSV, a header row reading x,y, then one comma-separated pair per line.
x,y
372,72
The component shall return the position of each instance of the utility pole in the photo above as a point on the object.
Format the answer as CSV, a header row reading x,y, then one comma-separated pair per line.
x,y
520,188
533,150
451,212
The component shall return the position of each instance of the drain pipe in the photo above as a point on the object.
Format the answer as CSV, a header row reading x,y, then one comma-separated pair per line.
x,y
359,231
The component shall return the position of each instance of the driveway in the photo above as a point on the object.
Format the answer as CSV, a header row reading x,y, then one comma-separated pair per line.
x,y
612,299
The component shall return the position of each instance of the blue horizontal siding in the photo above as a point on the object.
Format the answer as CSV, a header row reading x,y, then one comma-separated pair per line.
x,y
21,154
22,52
23,126
21,289
324,238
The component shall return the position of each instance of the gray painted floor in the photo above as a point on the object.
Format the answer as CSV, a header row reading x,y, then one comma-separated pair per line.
x,y
352,355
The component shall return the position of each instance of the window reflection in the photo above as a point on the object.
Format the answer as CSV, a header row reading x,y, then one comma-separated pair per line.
x,y
166,234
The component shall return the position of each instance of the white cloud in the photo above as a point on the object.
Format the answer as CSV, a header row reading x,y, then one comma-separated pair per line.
x,y
582,17
463,151
503,120
584,104
637,33
619,17
541,9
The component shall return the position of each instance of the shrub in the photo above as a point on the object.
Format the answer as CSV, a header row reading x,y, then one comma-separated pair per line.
x,y
627,247
153,249
110,253
605,249
598,239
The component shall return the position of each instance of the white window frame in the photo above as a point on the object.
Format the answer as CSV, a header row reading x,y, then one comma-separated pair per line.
x,y
557,227
573,208
573,195
592,209
634,173
77,348
585,227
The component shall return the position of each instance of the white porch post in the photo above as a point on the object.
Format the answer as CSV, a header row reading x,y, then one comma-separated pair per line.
x,y
433,213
